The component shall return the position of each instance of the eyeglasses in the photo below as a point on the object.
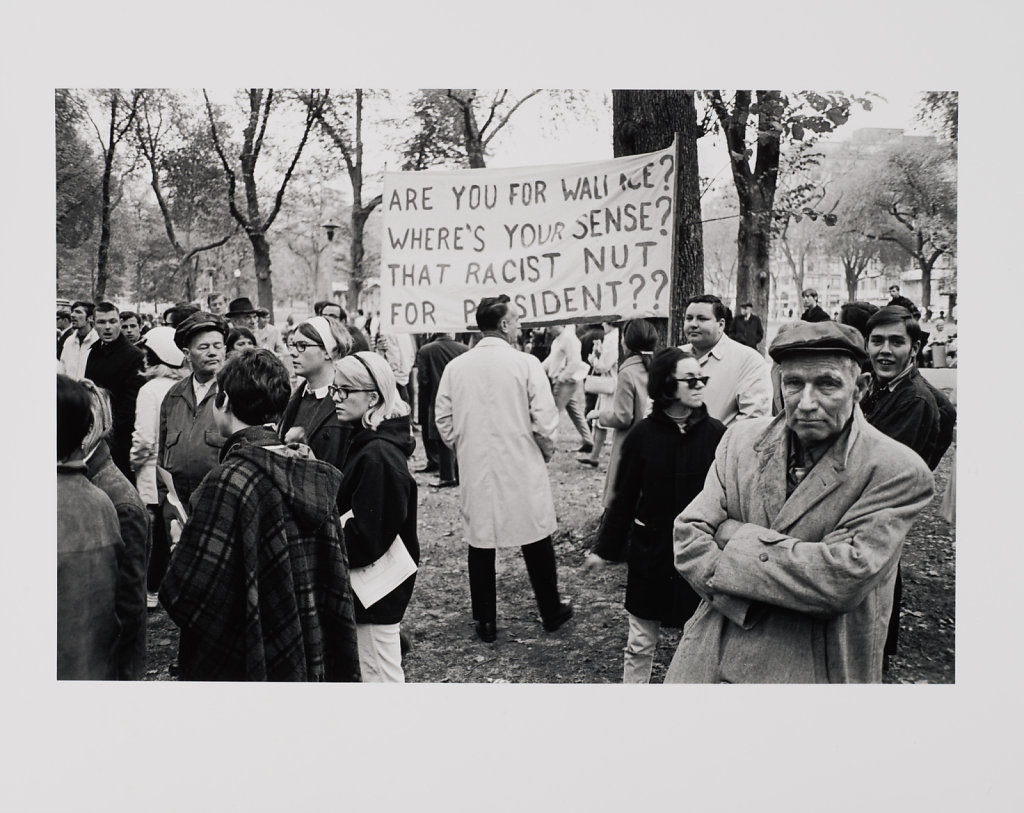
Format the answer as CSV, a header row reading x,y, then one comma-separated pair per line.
x,y
302,347
692,382
339,394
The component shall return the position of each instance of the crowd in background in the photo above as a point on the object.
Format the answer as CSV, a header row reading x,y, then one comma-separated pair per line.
x,y
255,480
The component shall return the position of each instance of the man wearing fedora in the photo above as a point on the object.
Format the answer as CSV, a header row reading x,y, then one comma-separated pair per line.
x,y
793,543
241,313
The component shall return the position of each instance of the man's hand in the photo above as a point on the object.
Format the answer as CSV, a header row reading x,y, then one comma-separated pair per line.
x,y
838,536
296,434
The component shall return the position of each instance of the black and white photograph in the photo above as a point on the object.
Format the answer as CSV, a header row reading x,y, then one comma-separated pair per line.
x,y
516,392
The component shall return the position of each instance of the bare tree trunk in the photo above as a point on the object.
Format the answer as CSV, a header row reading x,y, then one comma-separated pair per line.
x,y
647,121
261,260
103,251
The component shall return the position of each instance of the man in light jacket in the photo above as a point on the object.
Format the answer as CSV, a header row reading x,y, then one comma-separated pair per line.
x,y
495,411
793,543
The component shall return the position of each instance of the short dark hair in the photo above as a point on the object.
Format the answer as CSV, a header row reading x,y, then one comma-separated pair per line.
x,y
897,287
809,292
86,305
257,384
890,315
856,314
717,306
63,314
179,313
105,307
490,311
318,306
238,333
747,305
74,415
661,383
130,315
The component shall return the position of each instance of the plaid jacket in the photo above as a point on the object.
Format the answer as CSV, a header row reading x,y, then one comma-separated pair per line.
x,y
259,580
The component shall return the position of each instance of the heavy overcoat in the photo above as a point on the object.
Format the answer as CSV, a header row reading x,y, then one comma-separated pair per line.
x,y
490,404
627,408
779,604
258,582
661,471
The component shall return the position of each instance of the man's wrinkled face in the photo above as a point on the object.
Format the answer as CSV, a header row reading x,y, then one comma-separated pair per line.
x,y
108,325
244,320
891,351
819,391
131,330
702,328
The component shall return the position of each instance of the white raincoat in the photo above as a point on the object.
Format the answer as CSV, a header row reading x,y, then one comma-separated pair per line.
x,y
489,404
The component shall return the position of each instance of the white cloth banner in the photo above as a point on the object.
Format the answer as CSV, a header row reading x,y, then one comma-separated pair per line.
x,y
582,242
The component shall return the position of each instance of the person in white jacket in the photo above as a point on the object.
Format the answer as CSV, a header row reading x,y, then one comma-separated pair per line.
x,y
165,366
494,409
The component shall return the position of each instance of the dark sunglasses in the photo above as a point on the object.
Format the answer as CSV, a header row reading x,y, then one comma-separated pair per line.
x,y
692,382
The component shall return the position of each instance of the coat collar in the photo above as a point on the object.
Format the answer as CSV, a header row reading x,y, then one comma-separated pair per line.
x,y
772,450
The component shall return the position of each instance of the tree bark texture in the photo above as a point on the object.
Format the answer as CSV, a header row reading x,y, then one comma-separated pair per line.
x,y
103,251
647,121
755,188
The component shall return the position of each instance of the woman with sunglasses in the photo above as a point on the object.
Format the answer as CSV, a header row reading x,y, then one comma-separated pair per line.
x,y
310,417
377,500
664,462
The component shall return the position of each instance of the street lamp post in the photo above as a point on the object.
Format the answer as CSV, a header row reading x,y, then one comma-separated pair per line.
x,y
238,283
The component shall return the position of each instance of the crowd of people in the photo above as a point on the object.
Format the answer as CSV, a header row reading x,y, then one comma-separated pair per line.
x,y
256,483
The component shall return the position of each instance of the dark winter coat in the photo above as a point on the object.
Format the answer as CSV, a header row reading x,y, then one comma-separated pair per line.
x,y
133,520
258,582
908,414
88,548
431,359
815,314
325,434
381,494
660,472
747,331
117,367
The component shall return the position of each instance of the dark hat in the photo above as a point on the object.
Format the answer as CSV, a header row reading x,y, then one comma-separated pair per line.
x,y
240,307
262,312
823,337
197,323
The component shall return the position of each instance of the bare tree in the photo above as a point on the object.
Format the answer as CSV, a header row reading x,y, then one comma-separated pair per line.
x,y
188,176
647,121
120,108
252,221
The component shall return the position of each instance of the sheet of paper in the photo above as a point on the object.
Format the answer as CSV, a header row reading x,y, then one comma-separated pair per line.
x,y
377,579
172,495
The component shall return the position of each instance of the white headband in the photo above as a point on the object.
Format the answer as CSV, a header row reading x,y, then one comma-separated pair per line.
x,y
320,325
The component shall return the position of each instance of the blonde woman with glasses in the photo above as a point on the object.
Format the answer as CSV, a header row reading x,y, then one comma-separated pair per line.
x,y
377,502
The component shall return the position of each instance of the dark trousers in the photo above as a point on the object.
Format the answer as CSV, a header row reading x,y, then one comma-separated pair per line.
x,y
160,551
540,565
446,461
893,634
432,446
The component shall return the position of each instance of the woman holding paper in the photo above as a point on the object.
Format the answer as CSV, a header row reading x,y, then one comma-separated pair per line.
x,y
377,502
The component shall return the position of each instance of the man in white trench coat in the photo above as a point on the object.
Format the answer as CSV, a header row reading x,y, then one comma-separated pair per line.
x,y
495,410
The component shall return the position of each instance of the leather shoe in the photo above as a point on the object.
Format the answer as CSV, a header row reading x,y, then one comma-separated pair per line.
x,y
487,631
428,468
445,484
586,448
564,614
587,461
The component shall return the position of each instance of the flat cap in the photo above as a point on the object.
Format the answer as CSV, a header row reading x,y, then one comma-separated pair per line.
x,y
822,337
197,323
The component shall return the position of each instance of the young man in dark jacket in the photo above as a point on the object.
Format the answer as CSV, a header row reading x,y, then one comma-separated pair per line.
x,y
259,580
116,365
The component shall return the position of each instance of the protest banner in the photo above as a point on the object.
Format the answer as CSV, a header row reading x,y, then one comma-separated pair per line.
x,y
583,242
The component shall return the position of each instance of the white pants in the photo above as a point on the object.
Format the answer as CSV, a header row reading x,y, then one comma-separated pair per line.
x,y
380,653
640,648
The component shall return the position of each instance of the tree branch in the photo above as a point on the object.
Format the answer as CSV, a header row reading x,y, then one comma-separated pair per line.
x,y
506,117
279,198
237,215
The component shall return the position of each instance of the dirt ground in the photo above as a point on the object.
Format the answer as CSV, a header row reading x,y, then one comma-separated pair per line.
x,y
588,649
